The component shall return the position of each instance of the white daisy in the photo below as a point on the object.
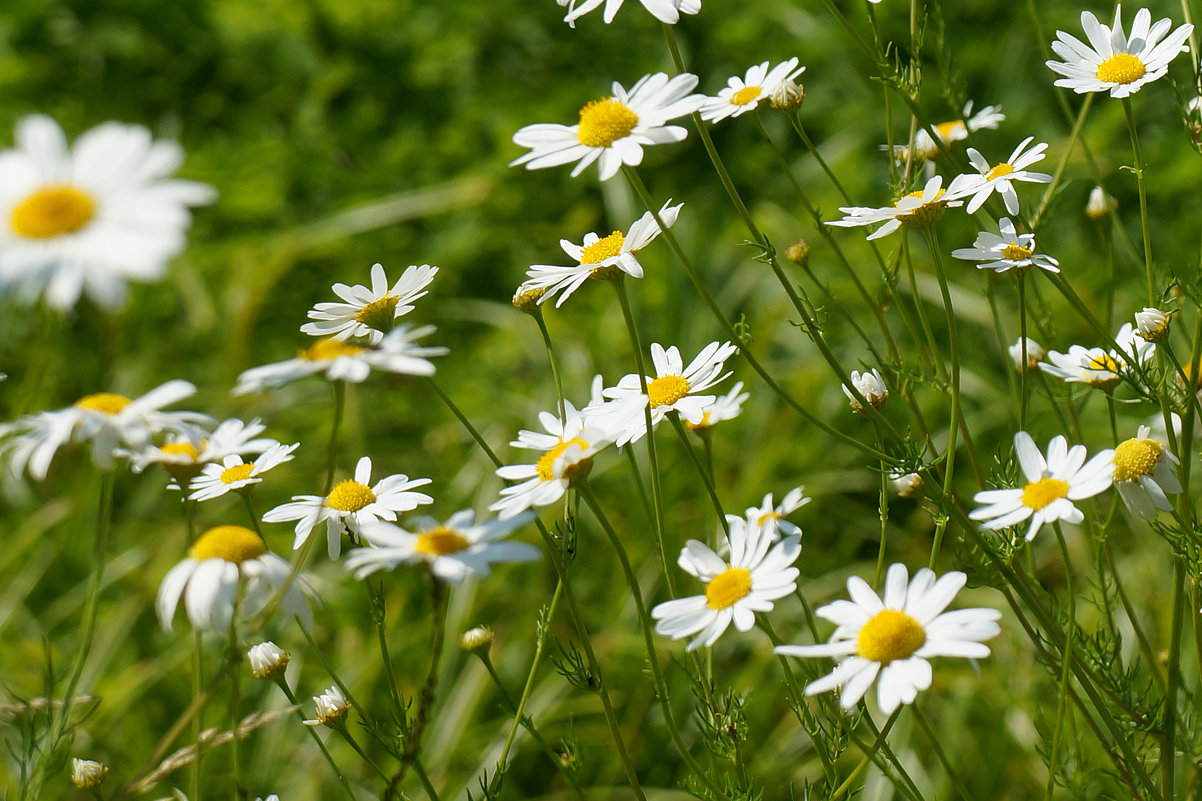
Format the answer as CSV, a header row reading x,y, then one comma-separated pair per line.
x,y
350,504
370,313
208,580
90,217
746,582
724,407
667,11
568,450
332,709
613,131
454,550
915,210
1111,61
893,639
599,257
1100,204
742,95
343,361
268,660
1151,324
114,424
766,512
1051,486
87,774
948,132
869,385
1005,250
906,485
232,473
1096,367
1035,354
674,387
1000,177
183,458
1144,471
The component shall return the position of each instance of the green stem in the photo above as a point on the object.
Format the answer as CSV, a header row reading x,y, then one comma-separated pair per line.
x,y
674,417
325,752
940,754
1168,751
1143,199
954,337
537,314
332,451
1064,159
463,420
1066,665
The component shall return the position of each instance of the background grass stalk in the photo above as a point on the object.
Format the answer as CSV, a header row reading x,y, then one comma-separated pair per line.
x,y
1143,198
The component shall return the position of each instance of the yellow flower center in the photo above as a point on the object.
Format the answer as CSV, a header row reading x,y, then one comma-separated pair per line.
x,y
1107,368
948,129
666,390
232,543
1103,362
1135,458
328,349
889,635
1039,494
728,587
181,449
603,122
764,518
701,425
236,473
603,248
53,211
378,314
546,462
440,542
106,402
999,171
1016,252
350,496
1121,68
922,216
745,95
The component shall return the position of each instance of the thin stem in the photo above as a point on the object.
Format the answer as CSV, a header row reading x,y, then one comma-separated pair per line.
x,y
674,418
332,452
463,419
537,314
940,754
1168,751
325,752
1065,669
1143,199
1064,159
1022,338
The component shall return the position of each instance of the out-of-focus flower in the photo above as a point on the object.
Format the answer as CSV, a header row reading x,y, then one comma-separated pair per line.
x,y
742,95
869,385
948,132
370,312
1152,324
1144,473
232,473
87,774
1099,204
1035,354
666,11
332,709
268,661
916,210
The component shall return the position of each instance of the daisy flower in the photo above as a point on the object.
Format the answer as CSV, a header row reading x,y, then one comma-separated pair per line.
x,y
568,449
89,217
766,512
1000,177
667,11
232,473
599,257
370,313
1097,367
113,423
1035,354
397,352
1005,250
183,456
1151,324
673,388
1144,473
906,485
925,147
742,95
1051,487
222,559
746,582
87,774
894,638
724,407
268,661
1099,204
332,709
915,210
613,131
1111,61
350,504
454,550
871,386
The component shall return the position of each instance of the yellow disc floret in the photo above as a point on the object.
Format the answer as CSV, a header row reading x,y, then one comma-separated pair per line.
x,y
107,402
922,216
378,314
1121,68
666,390
328,349
951,130
546,462
604,248
1016,252
1135,458
889,635
440,542
603,122
184,448
745,95
1039,494
350,496
238,472
999,171
52,211
728,587
232,543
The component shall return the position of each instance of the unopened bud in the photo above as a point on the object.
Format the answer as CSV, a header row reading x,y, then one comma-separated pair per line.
x,y
1035,354
907,485
798,252
86,774
787,96
1100,204
1152,324
527,297
475,639
268,661
332,709
871,386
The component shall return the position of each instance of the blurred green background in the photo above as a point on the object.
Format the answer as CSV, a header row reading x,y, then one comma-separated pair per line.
x,y
339,133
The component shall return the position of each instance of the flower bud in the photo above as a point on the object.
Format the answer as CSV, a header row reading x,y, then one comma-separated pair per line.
x,y
1099,204
1035,354
871,386
268,661
86,774
526,298
1152,324
332,709
798,252
787,96
906,485
476,639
